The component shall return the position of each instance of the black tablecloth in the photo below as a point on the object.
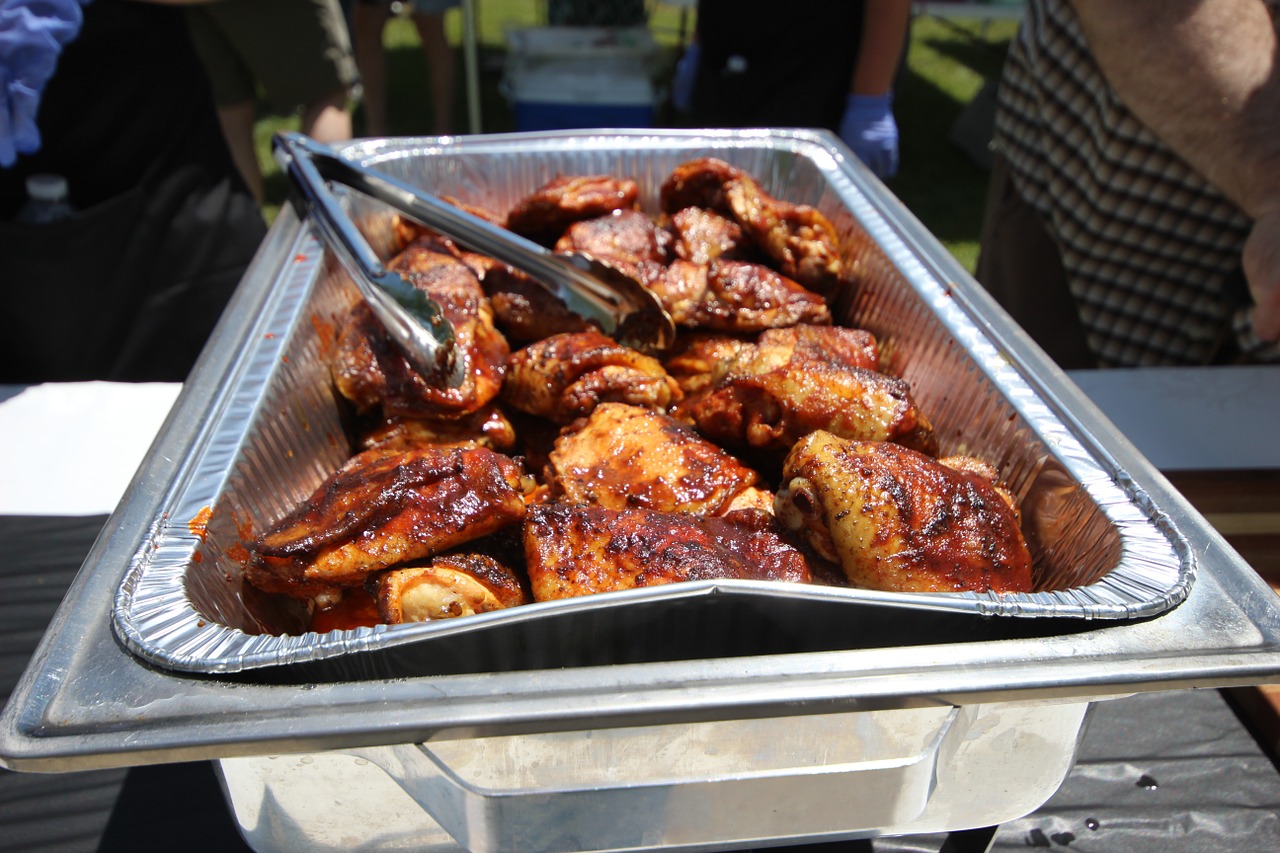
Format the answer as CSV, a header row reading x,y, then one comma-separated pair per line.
x,y
1170,772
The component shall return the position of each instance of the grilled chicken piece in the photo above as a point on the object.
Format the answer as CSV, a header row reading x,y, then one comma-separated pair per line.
x,y
736,297
526,311
383,508
698,183
371,371
801,241
623,235
896,519
693,363
488,427
629,457
449,586
581,550
566,376
805,378
702,236
544,214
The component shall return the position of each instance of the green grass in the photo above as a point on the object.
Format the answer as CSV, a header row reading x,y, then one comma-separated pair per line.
x,y
947,64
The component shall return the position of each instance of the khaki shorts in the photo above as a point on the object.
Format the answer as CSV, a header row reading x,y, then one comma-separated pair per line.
x,y
298,51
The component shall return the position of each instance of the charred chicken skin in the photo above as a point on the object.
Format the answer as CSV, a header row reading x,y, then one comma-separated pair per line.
x,y
370,371
384,508
565,377
449,586
801,379
895,519
630,457
582,550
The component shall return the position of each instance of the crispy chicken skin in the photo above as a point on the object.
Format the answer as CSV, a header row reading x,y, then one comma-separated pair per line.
x,y
805,378
898,520
627,456
449,586
370,371
565,377
797,237
383,508
543,215
582,550
735,296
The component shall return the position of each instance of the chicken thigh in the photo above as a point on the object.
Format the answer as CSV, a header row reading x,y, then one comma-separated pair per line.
x,y
895,519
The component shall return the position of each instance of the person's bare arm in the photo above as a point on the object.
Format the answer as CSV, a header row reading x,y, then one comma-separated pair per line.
x,y
1204,75
884,34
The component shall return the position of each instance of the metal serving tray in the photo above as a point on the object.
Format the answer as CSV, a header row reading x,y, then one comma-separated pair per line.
x,y
1102,548
935,712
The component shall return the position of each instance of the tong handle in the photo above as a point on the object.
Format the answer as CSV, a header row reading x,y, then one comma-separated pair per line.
x,y
412,319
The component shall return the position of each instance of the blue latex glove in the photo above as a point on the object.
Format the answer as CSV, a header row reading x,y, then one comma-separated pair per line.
x,y
686,74
869,129
32,33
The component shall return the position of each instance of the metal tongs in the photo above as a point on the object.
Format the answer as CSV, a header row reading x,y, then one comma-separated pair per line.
x,y
625,309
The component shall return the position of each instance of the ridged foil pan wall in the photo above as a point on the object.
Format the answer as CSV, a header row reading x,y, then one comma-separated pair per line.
x,y
1102,550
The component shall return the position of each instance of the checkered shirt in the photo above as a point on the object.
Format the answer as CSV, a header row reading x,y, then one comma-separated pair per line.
x,y
1149,247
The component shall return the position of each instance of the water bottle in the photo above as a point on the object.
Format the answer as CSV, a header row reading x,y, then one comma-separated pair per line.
x,y
47,201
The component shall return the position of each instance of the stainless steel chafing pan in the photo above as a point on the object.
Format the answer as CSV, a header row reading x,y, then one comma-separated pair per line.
x,y
499,732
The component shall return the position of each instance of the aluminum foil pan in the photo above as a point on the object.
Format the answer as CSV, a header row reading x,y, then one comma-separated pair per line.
x,y
274,430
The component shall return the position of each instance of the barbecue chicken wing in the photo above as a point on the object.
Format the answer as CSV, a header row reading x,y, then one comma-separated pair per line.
x,y
629,457
383,508
735,296
544,214
805,378
371,372
797,237
449,586
581,550
896,519
565,377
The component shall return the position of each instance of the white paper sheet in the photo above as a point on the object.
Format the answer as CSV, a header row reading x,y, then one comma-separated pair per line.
x,y
71,448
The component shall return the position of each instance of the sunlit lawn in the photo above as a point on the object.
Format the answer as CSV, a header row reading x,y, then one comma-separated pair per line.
x,y
947,64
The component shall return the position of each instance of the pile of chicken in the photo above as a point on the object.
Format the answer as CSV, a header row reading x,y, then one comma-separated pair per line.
x,y
766,444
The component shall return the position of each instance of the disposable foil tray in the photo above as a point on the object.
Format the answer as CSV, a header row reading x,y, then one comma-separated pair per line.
x,y
1102,548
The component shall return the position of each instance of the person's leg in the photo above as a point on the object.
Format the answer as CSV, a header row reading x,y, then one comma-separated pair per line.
x,y
368,19
442,65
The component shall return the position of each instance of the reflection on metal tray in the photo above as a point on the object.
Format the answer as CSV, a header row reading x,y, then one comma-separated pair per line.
x,y
1102,548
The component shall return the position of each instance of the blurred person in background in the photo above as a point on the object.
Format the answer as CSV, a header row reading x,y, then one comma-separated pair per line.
x,y
832,66
298,51
1133,217
368,20
128,285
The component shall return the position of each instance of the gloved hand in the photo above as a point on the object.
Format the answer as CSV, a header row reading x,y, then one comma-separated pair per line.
x,y
32,34
869,129
686,74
